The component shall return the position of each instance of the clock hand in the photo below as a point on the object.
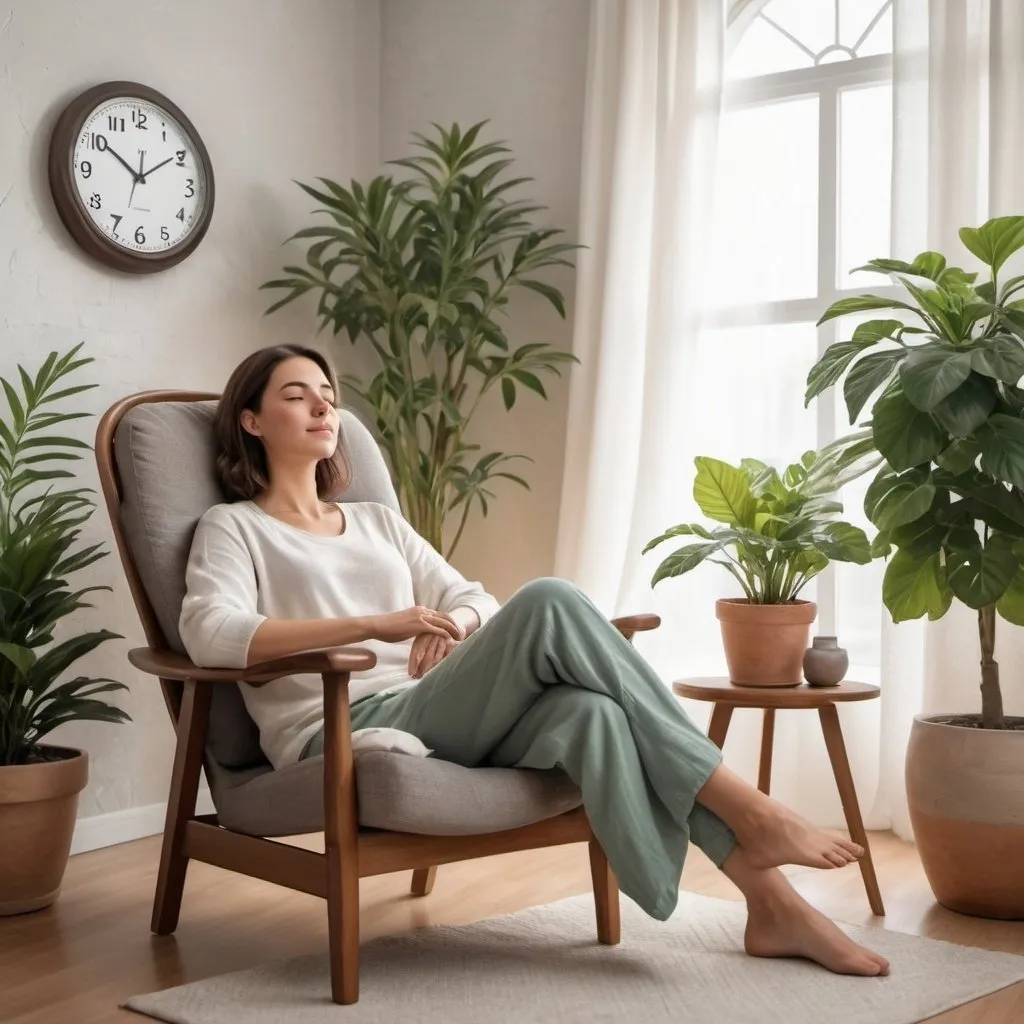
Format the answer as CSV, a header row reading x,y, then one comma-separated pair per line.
x,y
138,178
152,169
121,159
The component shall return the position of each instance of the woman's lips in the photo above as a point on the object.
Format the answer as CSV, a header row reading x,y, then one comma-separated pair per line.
x,y
322,430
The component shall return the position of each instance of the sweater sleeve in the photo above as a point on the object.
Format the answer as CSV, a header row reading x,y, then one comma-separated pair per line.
x,y
218,614
436,583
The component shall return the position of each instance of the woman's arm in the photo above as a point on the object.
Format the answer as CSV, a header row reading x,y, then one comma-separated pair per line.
x,y
277,638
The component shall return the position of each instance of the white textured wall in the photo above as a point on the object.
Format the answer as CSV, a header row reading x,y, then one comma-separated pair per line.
x,y
279,89
523,66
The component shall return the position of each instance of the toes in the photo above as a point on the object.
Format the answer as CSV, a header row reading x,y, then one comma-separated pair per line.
x,y
835,859
854,849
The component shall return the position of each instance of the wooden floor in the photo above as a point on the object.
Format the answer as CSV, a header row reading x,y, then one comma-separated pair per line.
x,y
74,962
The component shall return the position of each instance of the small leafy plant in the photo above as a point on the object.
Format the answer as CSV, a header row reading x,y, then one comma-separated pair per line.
x,y
780,529
948,420
423,269
38,534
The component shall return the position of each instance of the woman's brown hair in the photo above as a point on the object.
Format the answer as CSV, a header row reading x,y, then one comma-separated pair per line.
x,y
241,458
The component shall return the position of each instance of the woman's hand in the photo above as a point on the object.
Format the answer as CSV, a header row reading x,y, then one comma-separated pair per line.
x,y
427,650
397,626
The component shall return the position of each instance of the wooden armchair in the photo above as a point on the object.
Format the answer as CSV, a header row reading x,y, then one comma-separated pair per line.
x,y
380,812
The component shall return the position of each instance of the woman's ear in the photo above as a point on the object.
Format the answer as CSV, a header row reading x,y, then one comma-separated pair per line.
x,y
249,423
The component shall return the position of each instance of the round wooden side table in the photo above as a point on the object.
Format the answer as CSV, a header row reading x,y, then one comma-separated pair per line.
x,y
726,696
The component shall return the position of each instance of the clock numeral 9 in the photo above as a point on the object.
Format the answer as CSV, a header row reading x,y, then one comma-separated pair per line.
x,y
189,188
180,154
140,238
165,235
94,201
86,168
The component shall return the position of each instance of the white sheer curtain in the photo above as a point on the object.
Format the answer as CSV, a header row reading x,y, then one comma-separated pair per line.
x,y
958,140
654,389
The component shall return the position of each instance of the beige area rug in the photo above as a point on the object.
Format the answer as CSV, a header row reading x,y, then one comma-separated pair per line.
x,y
544,965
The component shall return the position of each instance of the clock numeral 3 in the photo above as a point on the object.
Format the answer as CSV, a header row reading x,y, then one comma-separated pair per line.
x,y
86,168
165,235
140,238
94,201
117,220
189,189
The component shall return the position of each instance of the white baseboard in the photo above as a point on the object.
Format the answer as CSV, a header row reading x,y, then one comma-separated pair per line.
x,y
123,826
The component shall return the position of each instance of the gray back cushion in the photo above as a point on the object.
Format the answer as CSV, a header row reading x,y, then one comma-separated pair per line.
x,y
165,458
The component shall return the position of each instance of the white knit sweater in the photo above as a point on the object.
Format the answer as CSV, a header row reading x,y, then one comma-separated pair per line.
x,y
245,566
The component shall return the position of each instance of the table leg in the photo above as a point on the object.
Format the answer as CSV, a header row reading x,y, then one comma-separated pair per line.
x,y
847,793
764,771
721,715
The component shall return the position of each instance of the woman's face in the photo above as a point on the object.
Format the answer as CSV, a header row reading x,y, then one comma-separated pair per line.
x,y
297,417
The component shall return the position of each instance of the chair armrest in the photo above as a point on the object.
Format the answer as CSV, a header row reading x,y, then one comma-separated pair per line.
x,y
172,665
627,625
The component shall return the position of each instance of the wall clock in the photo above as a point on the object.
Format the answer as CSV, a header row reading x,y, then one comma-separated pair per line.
x,y
131,178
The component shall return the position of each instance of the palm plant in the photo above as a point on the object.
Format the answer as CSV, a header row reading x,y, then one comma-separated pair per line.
x,y
37,537
948,420
423,269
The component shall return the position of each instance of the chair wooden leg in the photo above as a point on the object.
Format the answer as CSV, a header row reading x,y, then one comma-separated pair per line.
x,y
848,794
423,880
721,716
606,896
193,719
341,841
764,771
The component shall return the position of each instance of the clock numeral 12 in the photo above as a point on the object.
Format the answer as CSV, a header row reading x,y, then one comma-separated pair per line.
x,y
140,120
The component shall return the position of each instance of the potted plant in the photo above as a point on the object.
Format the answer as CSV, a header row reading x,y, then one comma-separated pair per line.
x,y
948,420
39,530
423,269
779,532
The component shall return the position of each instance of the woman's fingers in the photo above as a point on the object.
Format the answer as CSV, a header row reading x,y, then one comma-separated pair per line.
x,y
443,625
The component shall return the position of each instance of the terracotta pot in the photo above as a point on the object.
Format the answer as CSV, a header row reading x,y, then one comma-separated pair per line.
x,y
38,807
965,788
765,643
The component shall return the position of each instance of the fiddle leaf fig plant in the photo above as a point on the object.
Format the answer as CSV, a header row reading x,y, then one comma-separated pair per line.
x,y
940,378
780,530
422,270
39,534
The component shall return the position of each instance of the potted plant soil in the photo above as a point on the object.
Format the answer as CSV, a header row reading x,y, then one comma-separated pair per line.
x,y
948,420
779,532
39,550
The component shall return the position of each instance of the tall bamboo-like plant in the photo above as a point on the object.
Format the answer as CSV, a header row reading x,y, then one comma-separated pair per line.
x,y
38,534
949,421
423,269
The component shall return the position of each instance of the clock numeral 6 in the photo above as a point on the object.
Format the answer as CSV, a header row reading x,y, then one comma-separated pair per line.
x,y
189,188
86,168
94,201
140,238
165,235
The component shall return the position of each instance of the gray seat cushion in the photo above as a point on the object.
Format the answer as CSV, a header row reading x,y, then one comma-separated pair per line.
x,y
397,792
165,459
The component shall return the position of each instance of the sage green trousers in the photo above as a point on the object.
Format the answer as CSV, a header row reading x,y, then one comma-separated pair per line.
x,y
549,682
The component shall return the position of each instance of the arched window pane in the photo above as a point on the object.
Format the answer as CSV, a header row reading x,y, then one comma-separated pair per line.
x,y
879,40
763,51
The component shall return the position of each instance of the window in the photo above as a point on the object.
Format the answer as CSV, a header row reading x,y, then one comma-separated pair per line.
x,y
802,198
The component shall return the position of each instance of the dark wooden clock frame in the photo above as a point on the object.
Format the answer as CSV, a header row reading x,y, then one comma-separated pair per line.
x,y
69,204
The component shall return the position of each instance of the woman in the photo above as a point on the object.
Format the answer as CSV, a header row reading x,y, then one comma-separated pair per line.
x,y
547,681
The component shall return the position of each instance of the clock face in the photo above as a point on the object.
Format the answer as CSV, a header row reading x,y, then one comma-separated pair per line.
x,y
139,176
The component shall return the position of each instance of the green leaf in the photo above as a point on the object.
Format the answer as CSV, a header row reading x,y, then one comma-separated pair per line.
x,y
843,542
877,330
867,376
552,294
1001,357
684,560
1002,448
995,241
860,304
905,435
1011,605
913,587
723,492
960,456
508,392
23,658
932,372
833,364
893,501
978,575
966,409
683,530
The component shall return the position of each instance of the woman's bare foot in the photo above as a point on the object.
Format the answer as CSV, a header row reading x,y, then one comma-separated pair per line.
x,y
774,835
787,926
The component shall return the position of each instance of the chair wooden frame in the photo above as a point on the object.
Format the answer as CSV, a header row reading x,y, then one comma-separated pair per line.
x,y
350,853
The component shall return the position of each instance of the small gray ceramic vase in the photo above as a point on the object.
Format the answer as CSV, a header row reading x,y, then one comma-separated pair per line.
x,y
825,662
